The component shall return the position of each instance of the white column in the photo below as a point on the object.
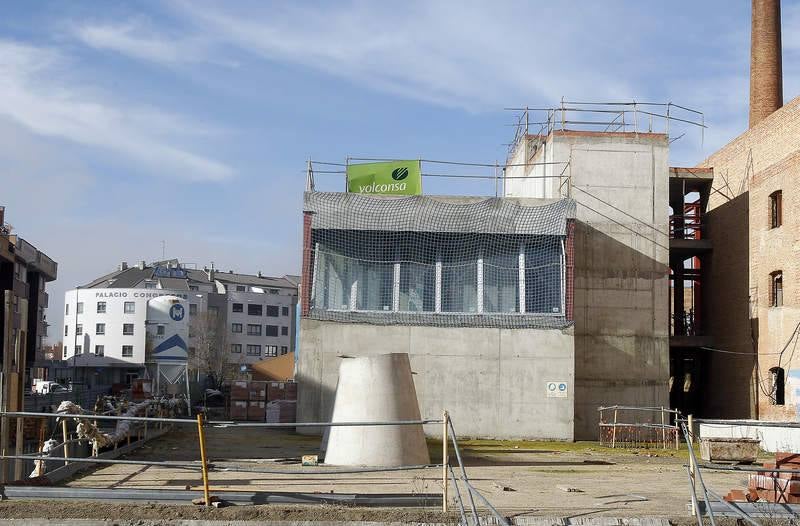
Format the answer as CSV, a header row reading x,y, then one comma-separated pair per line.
x,y
438,283
479,299
396,288
521,277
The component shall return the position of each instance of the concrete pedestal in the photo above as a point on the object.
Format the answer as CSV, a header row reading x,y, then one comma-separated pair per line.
x,y
376,388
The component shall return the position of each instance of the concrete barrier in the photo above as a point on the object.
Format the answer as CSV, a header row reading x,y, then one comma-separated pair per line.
x,y
376,388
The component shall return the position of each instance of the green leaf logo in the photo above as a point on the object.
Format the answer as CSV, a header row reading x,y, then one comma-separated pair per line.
x,y
398,174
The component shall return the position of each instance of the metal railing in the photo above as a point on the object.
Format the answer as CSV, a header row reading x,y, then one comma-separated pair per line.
x,y
449,476
713,504
492,173
626,116
661,429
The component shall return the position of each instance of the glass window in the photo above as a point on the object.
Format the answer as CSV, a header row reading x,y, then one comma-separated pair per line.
x,y
418,286
149,285
241,288
253,330
284,311
501,276
79,310
543,275
66,330
238,307
127,351
236,327
79,330
236,348
270,350
255,310
160,330
66,309
192,309
254,350
127,329
101,307
100,328
129,307
78,349
272,311
194,287
65,351
284,349
459,285
271,330
284,331
99,350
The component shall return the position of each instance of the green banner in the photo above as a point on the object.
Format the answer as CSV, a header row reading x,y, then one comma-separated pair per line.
x,y
392,178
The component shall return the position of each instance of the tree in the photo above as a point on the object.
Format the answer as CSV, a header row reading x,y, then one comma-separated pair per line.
x,y
208,348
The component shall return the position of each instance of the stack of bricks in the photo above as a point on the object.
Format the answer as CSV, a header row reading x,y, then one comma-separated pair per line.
x,y
772,486
248,400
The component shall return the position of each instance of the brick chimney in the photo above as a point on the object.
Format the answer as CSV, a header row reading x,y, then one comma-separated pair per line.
x,y
766,75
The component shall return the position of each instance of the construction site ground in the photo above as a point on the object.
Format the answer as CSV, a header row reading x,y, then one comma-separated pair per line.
x,y
520,478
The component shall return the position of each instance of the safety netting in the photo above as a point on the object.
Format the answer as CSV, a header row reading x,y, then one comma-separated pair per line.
x,y
439,261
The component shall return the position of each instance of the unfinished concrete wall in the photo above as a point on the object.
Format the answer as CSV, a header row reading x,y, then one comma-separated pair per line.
x,y
620,184
745,172
493,381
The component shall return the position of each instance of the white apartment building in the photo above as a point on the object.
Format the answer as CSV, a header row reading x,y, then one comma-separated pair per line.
x,y
105,321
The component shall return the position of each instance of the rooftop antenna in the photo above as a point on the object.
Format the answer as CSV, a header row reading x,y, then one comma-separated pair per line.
x,y
163,249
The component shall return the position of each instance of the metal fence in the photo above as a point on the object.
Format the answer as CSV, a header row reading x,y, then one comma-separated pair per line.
x,y
712,505
452,475
638,427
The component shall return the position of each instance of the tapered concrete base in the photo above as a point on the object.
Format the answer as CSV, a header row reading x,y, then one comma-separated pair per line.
x,y
376,388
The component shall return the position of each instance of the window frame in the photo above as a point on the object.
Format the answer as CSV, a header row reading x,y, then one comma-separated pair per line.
x,y
270,351
131,304
124,347
104,308
99,329
101,348
125,327
321,257
776,289
236,348
255,309
252,332
776,209
236,328
253,346
240,307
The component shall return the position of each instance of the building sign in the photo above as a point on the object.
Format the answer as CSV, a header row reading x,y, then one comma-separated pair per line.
x,y
556,389
167,272
176,312
388,178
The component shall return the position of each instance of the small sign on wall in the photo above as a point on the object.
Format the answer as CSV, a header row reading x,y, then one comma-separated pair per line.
x,y
556,389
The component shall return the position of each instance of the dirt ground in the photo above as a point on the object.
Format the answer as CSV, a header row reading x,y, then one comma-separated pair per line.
x,y
544,479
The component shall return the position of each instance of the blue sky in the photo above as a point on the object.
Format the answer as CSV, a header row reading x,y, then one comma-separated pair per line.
x,y
123,124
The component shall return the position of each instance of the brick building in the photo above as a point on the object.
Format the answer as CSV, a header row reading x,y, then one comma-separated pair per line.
x,y
753,305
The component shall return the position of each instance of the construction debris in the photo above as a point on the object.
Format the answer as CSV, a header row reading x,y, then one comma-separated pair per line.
x,y
772,486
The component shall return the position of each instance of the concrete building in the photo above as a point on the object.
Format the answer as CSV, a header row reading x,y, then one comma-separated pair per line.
x,y
608,337
237,318
24,273
752,299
